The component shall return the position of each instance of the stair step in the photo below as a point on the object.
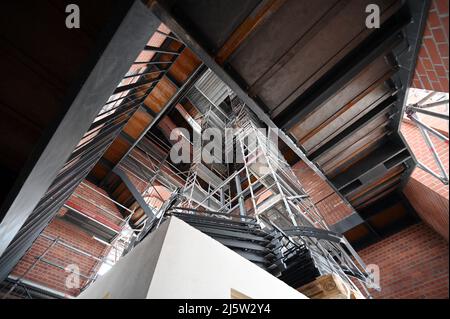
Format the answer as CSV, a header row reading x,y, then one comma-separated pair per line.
x,y
233,234
242,244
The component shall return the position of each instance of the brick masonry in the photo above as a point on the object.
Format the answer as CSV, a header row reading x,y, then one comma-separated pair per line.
x,y
413,264
329,204
432,64
51,276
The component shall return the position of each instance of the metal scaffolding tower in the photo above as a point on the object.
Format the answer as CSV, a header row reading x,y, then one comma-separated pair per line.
x,y
246,185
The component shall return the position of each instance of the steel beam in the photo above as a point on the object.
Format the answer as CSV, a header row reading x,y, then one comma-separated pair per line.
x,y
191,41
429,129
136,194
431,172
160,50
444,175
372,115
126,137
152,62
242,211
143,73
367,165
377,44
430,113
347,223
135,85
434,153
132,28
172,102
168,36
433,104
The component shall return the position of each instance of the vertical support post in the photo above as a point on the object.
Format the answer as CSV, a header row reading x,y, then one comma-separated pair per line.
x,y
237,180
136,194
222,197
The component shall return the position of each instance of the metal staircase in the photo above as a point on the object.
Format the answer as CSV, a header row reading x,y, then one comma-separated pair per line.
x,y
283,253
256,205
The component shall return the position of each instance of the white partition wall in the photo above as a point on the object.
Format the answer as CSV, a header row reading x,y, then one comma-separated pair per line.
x,y
178,261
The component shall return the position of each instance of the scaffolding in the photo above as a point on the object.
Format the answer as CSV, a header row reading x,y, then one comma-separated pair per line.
x,y
262,185
245,179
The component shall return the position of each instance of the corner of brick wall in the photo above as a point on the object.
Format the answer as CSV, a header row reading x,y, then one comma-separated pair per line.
x,y
429,205
417,144
428,195
329,204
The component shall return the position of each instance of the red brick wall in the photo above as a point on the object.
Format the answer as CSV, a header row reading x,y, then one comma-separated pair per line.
x,y
432,65
413,264
423,154
429,205
329,204
94,205
52,277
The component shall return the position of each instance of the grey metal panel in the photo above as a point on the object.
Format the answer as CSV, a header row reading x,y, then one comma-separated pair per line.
x,y
347,166
381,109
387,186
346,94
213,88
339,35
262,50
378,123
365,166
334,127
215,20
355,146
392,174
347,223
198,100
208,176
408,61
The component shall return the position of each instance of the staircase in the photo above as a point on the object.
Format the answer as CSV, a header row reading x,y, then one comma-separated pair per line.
x,y
270,249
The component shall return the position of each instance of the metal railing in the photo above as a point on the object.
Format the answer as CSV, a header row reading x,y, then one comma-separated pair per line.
x,y
422,107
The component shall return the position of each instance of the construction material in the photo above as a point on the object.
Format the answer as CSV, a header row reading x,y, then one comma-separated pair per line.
x,y
329,287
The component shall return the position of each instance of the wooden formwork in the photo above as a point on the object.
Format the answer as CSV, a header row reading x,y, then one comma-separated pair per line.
x,y
329,287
